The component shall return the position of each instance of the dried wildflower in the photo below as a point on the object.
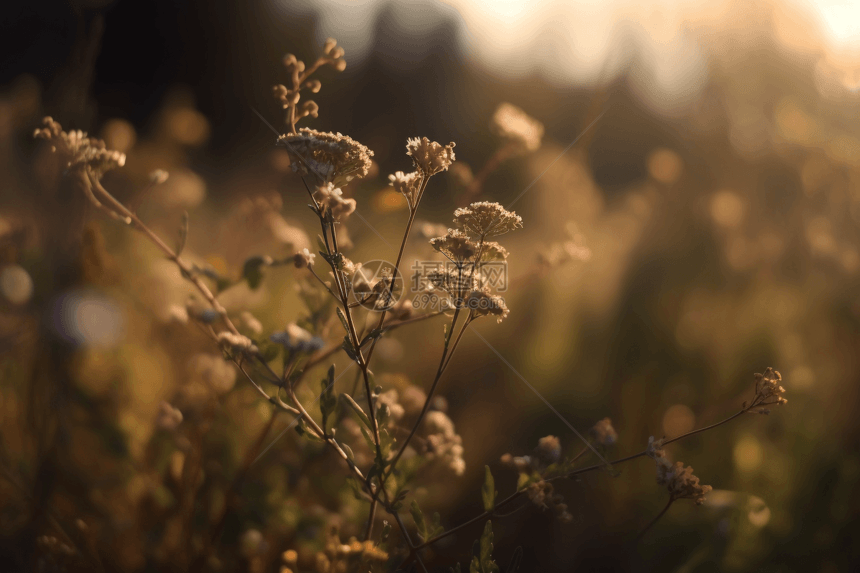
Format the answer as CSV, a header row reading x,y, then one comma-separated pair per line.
x,y
334,157
80,151
543,495
681,482
408,185
304,258
522,464
767,392
455,245
485,219
603,433
330,199
428,156
516,126
655,448
443,442
237,342
493,251
297,339
169,417
482,303
548,450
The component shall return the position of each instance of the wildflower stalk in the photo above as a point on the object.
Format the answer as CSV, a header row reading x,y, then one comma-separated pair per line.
x,y
90,183
412,212
516,495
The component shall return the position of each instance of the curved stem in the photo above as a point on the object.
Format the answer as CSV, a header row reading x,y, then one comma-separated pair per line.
x,y
655,520
439,371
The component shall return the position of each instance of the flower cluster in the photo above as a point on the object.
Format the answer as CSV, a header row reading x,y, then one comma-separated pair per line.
x,y
603,433
237,343
81,151
333,157
768,392
677,478
428,156
408,185
331,202
541,493
517,127
297,339
300,80
339,557
443,442
469,250
485,219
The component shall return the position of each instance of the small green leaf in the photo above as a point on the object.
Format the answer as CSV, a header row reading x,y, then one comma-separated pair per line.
x,y
321,243
348,348
488,491
343,320
482,559
328,401
418,518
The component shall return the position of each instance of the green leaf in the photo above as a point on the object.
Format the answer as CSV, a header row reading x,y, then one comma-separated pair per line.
x,y
349,349
488,491
482,559
435,528
321,243
361,415
328,400
418,518
343,320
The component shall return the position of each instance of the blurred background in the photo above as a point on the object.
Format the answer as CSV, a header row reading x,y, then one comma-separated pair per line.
x,y
713,202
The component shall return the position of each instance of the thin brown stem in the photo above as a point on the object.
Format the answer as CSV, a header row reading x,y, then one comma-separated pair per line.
x,y
439,371
656,519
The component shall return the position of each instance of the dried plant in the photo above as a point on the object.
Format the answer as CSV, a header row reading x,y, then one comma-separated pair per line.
x,y
386,434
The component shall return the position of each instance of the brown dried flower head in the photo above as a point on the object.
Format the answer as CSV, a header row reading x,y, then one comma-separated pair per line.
x,y
681,482
80,151
331,200
455,245
333,157
482,303
603,432
485,219
768,392
516,126
408,185
428,156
